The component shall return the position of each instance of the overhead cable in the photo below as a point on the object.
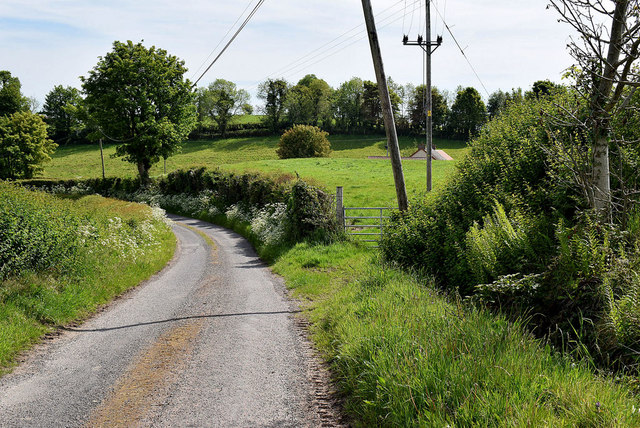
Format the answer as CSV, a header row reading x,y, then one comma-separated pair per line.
x,y
246,21
462,52
329,49
223,38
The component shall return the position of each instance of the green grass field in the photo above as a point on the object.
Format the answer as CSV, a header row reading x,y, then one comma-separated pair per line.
x,y
366,182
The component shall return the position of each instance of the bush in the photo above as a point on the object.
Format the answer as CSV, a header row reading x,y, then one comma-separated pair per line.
x,y
303,141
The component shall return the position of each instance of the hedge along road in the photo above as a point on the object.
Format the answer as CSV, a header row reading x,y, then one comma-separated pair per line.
x,y
212,340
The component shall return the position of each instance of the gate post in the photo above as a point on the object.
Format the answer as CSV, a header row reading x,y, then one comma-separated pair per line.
x,y
340,206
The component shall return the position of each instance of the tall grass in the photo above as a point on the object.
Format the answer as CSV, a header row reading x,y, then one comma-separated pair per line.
x,y
62,258
406,356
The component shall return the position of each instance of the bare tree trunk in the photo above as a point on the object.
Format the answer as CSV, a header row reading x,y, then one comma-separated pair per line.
x,y
601,173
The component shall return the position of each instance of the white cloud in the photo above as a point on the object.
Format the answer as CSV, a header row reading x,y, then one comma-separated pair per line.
x,y
511,43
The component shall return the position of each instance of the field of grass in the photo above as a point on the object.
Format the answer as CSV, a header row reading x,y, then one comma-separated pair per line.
x,y
52,246
366,182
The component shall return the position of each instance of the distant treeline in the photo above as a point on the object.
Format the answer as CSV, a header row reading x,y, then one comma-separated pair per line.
x,y
352,108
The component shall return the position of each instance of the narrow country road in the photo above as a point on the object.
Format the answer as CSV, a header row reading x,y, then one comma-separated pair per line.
x,y
211,341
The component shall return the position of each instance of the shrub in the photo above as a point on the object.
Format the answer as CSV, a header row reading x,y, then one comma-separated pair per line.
x,y
303,141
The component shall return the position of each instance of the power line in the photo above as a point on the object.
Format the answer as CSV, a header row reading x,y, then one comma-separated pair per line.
x,y
325,51
295,64
462,52
246,21
223,38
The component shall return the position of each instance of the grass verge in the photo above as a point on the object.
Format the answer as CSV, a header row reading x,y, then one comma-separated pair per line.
x,y
116,245
403,355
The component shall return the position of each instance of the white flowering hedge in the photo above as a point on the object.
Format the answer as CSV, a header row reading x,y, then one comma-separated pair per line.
x,y
39,232
279,210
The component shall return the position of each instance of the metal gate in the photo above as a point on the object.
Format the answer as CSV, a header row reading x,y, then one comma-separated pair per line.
x,y
364,223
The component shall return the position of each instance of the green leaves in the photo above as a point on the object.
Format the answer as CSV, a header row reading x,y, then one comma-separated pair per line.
x,y
24,145
139,98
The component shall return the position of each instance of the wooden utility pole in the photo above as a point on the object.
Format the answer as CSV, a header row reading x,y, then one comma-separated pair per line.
x,y
429,121
385,101
429,47
102,158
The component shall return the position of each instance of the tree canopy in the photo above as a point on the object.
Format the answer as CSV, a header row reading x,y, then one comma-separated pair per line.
x,y
139,98
63,124
11,99
274,93
24,145
222,100
468,113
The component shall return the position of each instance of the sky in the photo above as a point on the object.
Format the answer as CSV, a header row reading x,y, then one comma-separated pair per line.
x,y
509,43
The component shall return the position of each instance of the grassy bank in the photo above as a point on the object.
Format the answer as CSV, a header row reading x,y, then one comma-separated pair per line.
x,y
62,258
405,356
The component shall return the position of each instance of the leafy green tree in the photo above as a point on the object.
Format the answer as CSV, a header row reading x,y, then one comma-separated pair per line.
x,y
139,98
515,96
309,101
543,88
468,113
11,99
300,105
606,55
24,145
371,106
347,104
221,101
274,93
58,115
439,108
497,103
303,141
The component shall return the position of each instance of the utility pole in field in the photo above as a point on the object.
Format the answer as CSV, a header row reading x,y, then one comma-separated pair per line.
x,y
385,101
429,47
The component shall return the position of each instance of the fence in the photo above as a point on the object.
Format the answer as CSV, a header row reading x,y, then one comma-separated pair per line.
x,y
363,223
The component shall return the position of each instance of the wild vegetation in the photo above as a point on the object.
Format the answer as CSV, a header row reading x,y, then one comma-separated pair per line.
x,y
508,297
48,251
513,229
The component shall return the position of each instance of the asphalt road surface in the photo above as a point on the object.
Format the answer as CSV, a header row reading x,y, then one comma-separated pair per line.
x,y
212,340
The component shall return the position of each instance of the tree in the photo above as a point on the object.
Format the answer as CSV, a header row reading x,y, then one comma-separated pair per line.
x,y
543,88
139,98
371,107
24,145
274,93
57,113
300,105
347,104
309,101
605,55
497,103
468,113
221,101
417,112
11,99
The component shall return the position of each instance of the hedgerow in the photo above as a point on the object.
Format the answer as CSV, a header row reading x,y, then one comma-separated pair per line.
x,y
301,211
512,230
